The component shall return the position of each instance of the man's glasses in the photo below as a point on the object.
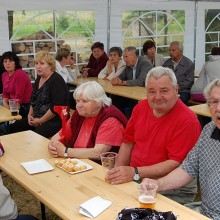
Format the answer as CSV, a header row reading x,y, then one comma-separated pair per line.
x,y
213,103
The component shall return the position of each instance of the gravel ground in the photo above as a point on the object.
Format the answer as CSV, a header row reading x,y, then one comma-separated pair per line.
x,y
27,204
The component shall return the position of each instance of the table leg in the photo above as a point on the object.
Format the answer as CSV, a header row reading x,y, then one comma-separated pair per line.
x,y
43,213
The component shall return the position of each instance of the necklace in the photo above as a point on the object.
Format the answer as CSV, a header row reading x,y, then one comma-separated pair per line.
x,y
87,126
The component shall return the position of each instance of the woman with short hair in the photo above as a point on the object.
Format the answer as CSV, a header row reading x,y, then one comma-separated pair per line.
x,y
16,83
149,50
95,127
63,58
49,90
97,60
114,66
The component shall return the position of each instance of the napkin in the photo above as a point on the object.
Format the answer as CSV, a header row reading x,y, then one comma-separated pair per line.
x,y
93,207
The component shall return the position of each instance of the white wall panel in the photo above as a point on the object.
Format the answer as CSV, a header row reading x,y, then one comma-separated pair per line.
x,y
200,31
98,6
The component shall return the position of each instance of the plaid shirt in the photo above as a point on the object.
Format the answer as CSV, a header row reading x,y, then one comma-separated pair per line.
x,y
203,162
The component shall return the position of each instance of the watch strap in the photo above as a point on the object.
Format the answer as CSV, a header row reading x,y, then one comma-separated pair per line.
x,y
65,152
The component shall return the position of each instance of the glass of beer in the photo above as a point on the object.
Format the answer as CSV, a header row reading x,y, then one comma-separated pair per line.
x,y
14,106
147,195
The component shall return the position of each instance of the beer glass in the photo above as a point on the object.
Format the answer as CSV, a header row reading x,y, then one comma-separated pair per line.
x,y
147,195
14,106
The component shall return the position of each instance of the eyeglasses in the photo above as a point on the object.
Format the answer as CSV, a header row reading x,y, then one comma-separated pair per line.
x,y
213,104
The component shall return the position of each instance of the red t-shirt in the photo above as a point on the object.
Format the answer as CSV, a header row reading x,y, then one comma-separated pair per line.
x,y
156,140
110,132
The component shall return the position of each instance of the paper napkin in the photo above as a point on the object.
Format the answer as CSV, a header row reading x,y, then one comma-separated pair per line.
x,y
93,207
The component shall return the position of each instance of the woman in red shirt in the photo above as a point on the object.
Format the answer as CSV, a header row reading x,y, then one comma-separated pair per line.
x,y
16,83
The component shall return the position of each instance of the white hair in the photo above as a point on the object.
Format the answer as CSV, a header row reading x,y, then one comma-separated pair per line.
x,y
92,91
209,87
158,72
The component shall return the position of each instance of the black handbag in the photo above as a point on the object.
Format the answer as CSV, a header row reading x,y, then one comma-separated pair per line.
x,y
144,214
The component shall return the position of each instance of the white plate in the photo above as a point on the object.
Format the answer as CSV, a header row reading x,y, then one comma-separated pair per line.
x,y
37,166
79,163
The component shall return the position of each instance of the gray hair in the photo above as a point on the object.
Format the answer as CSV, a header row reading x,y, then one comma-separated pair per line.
x,y
92,91
158,72
132,50
180,45
209,87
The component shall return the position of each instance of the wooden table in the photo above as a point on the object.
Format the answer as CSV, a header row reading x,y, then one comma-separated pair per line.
x,y
202,109
132,92
5,115
63,192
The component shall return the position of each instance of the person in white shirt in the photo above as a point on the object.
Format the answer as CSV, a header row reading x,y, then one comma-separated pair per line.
x,y
73,69
8,208
63,58
114,66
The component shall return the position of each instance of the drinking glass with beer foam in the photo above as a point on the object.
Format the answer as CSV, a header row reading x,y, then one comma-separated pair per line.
x,y
147,195
14,106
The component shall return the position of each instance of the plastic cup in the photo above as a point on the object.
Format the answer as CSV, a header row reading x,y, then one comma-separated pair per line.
x,y
14,106
108,159
147,195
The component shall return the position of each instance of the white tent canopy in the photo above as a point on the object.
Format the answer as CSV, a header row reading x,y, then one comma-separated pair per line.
x,y
108,19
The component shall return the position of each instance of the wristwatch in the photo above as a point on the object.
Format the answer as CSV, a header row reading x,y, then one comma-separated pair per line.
x,y
65,152
136,176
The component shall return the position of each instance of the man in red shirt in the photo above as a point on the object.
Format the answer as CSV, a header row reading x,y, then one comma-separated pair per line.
x,y
159,134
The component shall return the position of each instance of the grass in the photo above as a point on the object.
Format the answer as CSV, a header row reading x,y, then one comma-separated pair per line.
x,y
27,204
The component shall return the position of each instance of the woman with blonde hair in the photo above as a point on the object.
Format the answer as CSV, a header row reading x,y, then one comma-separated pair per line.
x,y
49,90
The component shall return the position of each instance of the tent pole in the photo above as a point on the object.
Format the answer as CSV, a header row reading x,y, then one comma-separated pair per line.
x,y
195,29
108,25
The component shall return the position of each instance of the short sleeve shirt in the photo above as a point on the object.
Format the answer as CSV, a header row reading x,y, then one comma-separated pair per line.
x,y
156,140
203,162
110,132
